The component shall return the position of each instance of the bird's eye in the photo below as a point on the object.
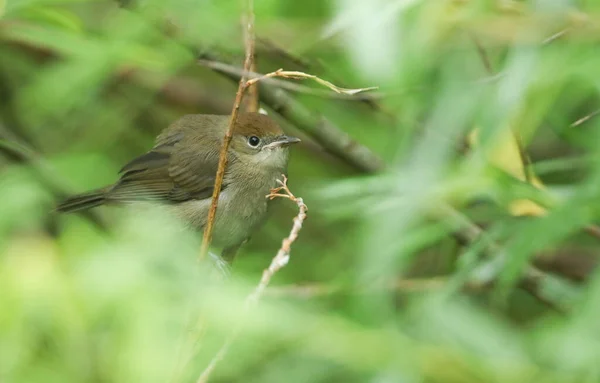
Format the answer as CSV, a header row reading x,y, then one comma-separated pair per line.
x,y
253,141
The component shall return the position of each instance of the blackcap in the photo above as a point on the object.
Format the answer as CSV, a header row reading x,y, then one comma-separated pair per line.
x,y
179,172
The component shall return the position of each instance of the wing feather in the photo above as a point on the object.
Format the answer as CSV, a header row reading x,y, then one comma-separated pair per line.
x,y
175,170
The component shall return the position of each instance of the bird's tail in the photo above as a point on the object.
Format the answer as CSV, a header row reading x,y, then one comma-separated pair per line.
x,y
83,201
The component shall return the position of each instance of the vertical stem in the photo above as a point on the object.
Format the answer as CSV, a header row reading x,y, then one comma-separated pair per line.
x,y
249,44
252,100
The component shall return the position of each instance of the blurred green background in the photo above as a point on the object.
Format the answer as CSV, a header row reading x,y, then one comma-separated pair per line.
x,y
450,263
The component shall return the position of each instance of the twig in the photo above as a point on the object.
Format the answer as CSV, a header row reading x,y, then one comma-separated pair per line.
x,y
292,87
412,285
296,75
252,101
249,43
279,261
556,36
283,255
585,118
369,99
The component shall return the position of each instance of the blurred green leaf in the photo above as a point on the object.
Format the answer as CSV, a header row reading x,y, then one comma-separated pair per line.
x,y
56,17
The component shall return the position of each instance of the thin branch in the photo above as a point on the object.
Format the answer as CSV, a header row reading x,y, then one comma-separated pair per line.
x,y
296,75
249,42
556,36
279,261
283,255
252,103
315,290
585,118
292,87
235,72
312,66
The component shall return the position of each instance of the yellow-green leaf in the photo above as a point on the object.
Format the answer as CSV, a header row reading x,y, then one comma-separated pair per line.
x,y
506,155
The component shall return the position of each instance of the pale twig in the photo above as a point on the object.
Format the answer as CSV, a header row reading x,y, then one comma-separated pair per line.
x,y
556,36
279,261
585,118
297,88
316,290
283,255
306,65
296,75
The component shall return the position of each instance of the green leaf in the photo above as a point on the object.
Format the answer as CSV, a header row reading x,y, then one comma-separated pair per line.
x,y
53,16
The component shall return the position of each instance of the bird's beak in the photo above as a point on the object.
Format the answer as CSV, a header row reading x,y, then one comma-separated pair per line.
x,y
284,141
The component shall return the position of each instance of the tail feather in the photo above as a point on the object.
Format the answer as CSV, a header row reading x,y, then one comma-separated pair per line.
x,y
83,201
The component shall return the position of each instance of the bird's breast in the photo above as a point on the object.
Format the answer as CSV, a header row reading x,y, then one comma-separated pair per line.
x,y
242,208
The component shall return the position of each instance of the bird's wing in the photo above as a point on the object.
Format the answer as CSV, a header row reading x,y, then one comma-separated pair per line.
x,y
175,170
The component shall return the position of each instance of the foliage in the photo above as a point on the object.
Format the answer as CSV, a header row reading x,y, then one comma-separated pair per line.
x,y
434,269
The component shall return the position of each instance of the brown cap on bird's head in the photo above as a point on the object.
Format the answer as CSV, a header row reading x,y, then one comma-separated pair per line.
x,y
248,124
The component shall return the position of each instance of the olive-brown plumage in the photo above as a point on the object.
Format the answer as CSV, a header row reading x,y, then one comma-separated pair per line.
x,y
179,173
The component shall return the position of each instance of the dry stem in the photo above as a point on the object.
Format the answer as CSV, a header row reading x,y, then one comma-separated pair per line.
x,y
297,88
296,75
249,42
585,118
279,261
252,100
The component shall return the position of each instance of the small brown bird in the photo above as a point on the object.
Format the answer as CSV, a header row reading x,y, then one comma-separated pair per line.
x,y
180,170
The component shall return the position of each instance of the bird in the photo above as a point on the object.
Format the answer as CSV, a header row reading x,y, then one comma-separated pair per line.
x,y
179,173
